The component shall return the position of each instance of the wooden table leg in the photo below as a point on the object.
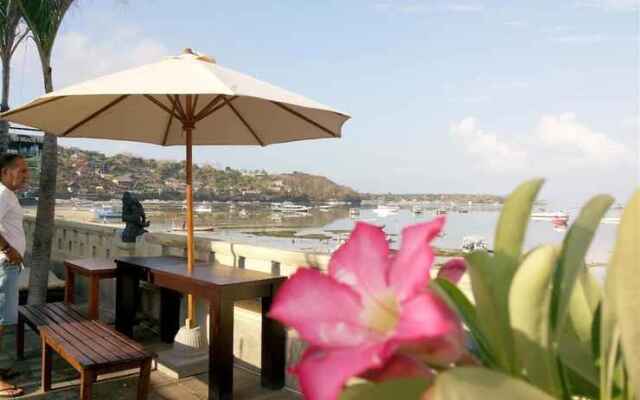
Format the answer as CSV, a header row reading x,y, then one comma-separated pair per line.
x,y
20,337
169,314
87,377
273,352
46,366
221,349
94,296
143,382
127,287
69,285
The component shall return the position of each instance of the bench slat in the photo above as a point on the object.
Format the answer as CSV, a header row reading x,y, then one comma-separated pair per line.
x,y
88,338
106,332
66,332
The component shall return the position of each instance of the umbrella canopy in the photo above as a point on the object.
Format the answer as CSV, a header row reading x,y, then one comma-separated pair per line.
x,y
149,104
184,100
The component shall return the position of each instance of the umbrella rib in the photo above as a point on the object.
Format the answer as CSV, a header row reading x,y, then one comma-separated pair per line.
x,y
306,119
194,107
95,114
32,106
219,106
166,131
177,103
227,102
159,104
206,108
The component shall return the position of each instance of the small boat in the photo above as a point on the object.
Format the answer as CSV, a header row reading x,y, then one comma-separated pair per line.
x,y
417,209
108,212
550,216
195,229
442,211
473,243
288,206
610,220
354,212
202,208
386,210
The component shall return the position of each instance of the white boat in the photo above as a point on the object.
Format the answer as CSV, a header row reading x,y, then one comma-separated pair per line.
x,y
473,243
417,209
288,206
354,212
202,208
610,220
108,212
384,210
550,216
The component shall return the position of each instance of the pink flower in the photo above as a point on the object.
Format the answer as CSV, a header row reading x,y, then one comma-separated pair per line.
x,y
370,304
453,270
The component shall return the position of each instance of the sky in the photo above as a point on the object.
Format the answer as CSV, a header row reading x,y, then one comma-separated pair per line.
x,y
445,96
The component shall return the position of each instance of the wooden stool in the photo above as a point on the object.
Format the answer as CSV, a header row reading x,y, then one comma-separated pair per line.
x,y
91,347
94,269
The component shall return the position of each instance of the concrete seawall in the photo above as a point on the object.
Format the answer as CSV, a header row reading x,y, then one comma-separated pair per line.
x,y
81,240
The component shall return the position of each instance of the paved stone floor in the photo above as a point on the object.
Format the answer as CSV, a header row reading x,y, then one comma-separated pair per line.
x,y
122,385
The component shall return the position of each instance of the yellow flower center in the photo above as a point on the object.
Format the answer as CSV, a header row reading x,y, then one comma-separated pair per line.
x,y
381,313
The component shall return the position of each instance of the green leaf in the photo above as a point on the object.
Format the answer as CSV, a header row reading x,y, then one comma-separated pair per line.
x,y
405,389
492,327
480,383
625,279
467,313
44,19
529,311
509,238
571,262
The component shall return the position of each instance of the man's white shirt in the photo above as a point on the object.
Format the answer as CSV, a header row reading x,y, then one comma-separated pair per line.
x,y
11,219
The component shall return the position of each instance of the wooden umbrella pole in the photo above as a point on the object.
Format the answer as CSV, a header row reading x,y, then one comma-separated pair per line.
x,y
191,307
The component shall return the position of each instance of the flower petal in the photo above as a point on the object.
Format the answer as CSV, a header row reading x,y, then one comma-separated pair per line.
x,y
323,372
400,366
363,261
430,328
409,271
453,270
323,311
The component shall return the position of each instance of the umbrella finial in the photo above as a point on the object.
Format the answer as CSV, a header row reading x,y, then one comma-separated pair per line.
x,y
199,56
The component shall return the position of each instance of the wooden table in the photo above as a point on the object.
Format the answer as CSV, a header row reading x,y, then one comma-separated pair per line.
x,y
219,284
94,269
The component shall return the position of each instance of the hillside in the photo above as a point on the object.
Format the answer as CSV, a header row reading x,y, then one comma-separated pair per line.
x,y
89,174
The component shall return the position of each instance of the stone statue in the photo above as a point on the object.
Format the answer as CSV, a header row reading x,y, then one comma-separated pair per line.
x,y
134,217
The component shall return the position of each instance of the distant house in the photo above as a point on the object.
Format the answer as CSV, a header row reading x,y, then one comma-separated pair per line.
x,y
124,181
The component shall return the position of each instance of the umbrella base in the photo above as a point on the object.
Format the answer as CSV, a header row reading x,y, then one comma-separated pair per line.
x,y
188,356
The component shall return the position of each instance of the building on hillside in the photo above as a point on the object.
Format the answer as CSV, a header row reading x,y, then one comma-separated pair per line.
x,y
124,181
26,145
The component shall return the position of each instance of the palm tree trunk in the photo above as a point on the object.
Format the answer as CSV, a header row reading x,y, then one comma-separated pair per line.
x,y
4,104
43,234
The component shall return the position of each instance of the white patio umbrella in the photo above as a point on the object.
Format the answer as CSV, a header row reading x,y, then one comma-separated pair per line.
x,y
184,100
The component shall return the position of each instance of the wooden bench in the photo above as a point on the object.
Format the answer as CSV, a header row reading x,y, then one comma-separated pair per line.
x,y
91,347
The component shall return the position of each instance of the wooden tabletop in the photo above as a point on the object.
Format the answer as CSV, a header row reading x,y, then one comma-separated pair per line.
x,y
208,273
92,264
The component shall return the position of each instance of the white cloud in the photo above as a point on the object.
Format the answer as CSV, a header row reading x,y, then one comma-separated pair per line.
x,y
560,141
487,148
78,56
579,38
611,5
464,7
564,134
421,6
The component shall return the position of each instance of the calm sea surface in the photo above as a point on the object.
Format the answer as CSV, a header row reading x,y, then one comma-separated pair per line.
x,y
255,226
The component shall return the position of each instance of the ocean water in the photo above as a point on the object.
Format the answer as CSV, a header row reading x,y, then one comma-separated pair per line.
x,y
336,223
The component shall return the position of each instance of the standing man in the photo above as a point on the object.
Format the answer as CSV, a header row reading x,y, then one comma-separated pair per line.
x,y
13,176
